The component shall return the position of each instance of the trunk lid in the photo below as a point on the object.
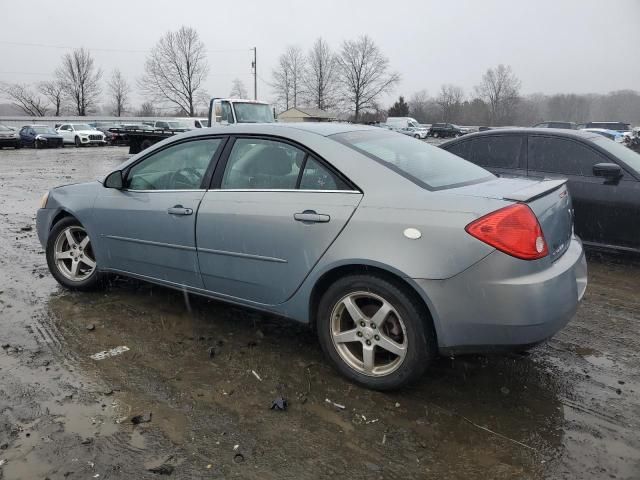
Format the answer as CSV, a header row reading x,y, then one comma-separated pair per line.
x,y
548,199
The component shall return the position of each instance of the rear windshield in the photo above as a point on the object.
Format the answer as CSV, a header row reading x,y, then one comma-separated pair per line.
x,y
628,156
426,165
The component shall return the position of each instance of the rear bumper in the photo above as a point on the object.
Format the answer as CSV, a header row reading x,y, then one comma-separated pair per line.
x,y
503,303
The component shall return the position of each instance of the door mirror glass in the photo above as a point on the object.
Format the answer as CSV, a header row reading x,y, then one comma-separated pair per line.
x,y
114,180
610,171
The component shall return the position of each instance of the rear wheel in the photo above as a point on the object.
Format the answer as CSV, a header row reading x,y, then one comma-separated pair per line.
x,y
70,255
374,333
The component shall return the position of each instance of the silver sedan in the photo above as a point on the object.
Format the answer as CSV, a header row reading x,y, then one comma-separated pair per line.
x,y
393,250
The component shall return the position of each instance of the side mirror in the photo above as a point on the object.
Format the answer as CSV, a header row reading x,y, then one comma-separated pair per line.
x,y
609,171
114,180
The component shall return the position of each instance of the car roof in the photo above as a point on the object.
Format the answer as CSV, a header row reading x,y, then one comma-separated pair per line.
x,y
324,129
556,132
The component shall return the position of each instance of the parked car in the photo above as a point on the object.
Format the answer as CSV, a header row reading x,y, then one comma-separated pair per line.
x,y
415,132
393,249
9,137
556,124
610,134
40,136
80,134
618,126
172,125
603,176
444,130
194,122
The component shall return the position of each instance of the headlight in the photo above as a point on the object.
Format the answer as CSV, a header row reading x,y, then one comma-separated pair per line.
x,y
39,137
43,200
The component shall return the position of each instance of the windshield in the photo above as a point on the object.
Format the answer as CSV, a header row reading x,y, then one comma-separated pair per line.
x,y
628,156
253,112
82,126
44,130
426,165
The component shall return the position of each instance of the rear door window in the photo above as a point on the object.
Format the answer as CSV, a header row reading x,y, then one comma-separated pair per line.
x,y
460,149
561,155
497,151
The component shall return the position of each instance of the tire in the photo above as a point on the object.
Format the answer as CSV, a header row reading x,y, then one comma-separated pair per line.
x,y
58,244
416,136
436,134
408,324
145,144
77,142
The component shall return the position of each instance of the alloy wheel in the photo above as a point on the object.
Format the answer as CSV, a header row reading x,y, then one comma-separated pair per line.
x,y
368,334
73,254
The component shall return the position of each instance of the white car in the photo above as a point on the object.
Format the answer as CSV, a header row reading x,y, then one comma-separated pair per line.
x,y
81,134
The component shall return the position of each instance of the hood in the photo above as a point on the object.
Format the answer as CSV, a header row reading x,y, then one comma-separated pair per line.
x,y
89,132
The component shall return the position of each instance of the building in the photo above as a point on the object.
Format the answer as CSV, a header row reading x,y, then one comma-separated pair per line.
x,y
305,114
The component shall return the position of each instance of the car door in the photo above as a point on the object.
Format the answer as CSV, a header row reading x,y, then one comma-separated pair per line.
x,y
598,204
273,211
148,227
67,133
503,155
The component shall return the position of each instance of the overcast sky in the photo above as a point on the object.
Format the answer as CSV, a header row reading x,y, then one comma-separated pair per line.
x,y
553,46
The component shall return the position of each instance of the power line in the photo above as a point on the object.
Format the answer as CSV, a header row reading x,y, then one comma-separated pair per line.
x,y
118,50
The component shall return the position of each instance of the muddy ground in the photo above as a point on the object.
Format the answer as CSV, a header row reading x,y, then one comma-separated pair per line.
x,y
568,409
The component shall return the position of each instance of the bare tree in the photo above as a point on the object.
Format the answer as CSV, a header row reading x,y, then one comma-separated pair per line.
x,y
288,77
119,90
450,101
238,90
54,91
23,97
81,80
147,110
364,74
321,76
500,89
175,70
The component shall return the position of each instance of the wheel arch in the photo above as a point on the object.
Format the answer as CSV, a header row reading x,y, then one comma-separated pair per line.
x,y
331,275
59,216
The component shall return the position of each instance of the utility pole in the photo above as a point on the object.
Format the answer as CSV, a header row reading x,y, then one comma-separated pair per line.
x,y
254,65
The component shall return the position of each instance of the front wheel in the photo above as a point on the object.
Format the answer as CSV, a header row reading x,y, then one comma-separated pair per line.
x,y
77,142
70,255
374,332
436,134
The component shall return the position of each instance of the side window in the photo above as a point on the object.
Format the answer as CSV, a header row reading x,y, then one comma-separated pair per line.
x,y
460,149
559,155
497,151
162,125
317,177
262,164
180,167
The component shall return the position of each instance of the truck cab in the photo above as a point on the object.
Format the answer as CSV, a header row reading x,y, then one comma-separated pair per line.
x,y
227,111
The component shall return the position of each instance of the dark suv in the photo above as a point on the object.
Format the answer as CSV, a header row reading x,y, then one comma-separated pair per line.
x,y
603,176
446,130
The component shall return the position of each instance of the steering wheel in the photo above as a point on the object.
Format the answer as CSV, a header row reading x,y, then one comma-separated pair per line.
x,y
186,178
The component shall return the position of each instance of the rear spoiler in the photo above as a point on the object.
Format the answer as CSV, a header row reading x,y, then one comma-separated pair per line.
x,y
534,191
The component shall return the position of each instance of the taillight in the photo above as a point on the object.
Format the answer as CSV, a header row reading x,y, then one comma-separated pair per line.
x,y
514,230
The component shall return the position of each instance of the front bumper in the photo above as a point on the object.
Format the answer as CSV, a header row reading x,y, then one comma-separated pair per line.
x,y
502,302
9,141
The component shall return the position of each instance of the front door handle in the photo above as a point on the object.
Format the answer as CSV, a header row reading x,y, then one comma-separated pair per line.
x,y
311,216
179,210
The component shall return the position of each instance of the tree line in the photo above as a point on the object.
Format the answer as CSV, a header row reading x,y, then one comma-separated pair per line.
x,y
350,81
174,73
497,100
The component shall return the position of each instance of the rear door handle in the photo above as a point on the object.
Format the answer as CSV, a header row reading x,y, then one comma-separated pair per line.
x,y
311,216
179,210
